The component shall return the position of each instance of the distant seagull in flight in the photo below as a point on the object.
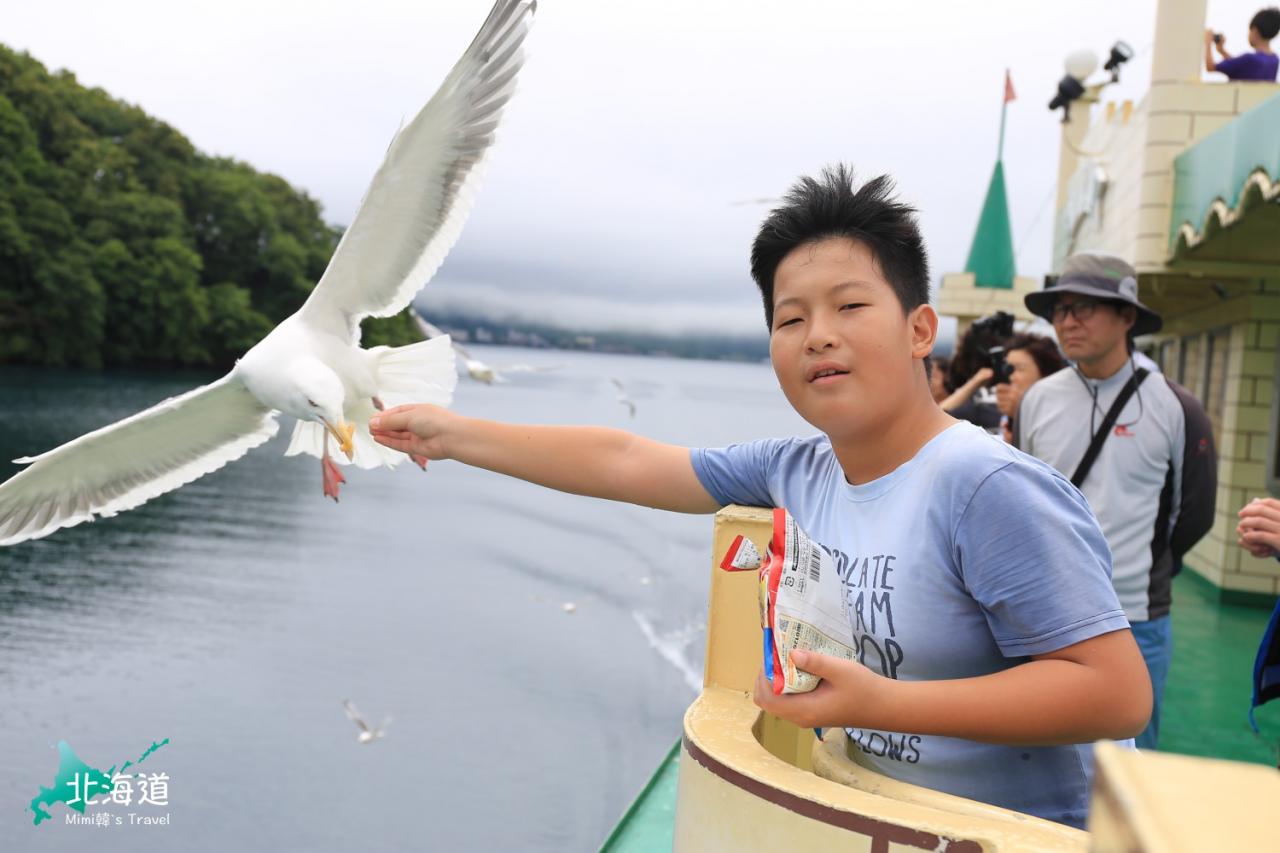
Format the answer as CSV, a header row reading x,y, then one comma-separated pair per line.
x,y
367,735
311,366
477,369
622,396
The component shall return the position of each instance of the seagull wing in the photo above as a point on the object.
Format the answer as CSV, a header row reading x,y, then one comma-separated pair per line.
x,y
128,463
354,715
414,210
430,330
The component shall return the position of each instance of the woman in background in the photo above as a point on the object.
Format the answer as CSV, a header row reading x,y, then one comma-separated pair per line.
x,y
1032,357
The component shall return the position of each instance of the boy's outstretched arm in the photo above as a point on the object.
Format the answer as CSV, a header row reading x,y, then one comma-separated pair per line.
x,y
1097,688
594,461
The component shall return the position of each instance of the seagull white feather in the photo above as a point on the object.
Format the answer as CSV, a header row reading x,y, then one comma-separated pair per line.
x,y
367,735
310,366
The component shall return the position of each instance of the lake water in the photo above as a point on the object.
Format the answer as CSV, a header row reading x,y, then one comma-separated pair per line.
x,y
234,615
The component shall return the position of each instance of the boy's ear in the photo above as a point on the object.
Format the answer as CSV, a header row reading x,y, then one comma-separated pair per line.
x,y
923,322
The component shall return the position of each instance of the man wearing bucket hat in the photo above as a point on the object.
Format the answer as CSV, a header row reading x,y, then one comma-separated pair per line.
x,y
1141,450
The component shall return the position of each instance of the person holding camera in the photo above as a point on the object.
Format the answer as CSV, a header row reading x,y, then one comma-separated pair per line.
x,y
1261,64
1030,359
977,364
1140,451
960,403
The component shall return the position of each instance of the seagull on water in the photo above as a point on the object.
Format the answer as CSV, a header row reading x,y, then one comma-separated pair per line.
x,y
367,735
311,366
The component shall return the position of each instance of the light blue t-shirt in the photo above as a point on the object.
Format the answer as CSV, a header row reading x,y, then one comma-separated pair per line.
x,y
964,561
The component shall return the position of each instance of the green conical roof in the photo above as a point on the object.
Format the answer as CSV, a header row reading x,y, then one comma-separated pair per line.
x,y
991,257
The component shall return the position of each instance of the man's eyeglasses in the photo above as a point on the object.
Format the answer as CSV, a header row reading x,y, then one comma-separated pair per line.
x,y
1081,309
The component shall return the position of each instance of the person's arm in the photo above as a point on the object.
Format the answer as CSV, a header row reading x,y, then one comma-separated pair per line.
x,y
1098,688
1007,399
1209,45
594,461
967,390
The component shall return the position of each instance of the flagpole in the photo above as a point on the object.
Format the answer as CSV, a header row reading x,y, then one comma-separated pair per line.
x,y
1004,108
1000,150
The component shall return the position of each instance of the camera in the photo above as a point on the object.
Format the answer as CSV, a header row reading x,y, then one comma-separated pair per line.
x,y
988,335
993,327
1217,39
1002,369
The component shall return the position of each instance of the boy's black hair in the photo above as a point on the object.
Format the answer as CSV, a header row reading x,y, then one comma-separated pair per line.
x,y
815,210
1266,22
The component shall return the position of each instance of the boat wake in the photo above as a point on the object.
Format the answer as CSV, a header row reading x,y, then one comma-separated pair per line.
x,y
672,646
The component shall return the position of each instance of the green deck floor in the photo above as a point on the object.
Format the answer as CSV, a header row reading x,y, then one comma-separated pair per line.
x,y
650,823
1206,707
1206,702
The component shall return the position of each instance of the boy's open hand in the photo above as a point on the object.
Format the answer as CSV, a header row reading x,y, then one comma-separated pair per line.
x,y
419,429
846,696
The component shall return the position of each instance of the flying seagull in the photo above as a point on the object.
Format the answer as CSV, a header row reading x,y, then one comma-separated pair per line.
x,y
311,366
622,396
477,369
366,735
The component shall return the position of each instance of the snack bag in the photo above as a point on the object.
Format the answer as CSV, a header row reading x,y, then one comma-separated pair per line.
x,y
802,602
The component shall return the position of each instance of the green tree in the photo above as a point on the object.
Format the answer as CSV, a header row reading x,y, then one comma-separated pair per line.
x,y
121,244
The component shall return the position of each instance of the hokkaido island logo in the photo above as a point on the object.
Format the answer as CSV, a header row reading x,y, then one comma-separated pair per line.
x,y
78,785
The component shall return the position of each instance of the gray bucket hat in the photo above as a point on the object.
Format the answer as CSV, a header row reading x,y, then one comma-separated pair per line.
x,y
1101,276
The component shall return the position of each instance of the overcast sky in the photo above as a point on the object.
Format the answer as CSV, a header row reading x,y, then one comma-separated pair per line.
x,y
610,197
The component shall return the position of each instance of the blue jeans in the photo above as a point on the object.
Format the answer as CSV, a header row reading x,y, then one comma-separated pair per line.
x,y
1155,640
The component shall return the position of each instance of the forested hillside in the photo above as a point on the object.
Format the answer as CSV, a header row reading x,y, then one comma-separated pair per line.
x,y
121,244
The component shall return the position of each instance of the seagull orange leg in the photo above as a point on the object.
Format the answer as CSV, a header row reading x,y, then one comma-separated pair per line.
x,y
331,476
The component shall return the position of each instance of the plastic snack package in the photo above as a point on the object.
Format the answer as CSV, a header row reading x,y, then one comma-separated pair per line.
x,y
802,601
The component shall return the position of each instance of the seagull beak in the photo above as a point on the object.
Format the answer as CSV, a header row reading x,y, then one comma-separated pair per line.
x,y
343,433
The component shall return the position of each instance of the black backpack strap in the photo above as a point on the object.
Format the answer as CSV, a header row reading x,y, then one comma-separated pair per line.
x,y
1100,437
1198,491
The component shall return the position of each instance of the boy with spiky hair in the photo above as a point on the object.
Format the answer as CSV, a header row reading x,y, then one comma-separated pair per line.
x,y
991,647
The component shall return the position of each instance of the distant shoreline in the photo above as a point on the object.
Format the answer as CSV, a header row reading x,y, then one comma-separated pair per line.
x,y
467,328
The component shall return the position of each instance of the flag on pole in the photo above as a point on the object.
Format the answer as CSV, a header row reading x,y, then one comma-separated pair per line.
x,y
991,257
1009,95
